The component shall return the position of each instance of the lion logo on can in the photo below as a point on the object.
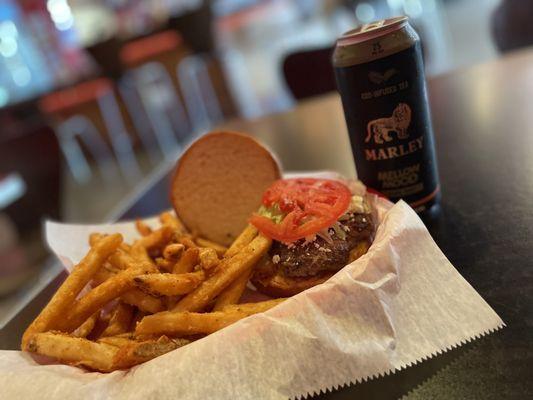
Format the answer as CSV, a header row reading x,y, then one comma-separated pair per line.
x,y
381,129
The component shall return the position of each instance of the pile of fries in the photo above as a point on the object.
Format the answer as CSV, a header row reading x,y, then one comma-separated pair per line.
x,y
125,304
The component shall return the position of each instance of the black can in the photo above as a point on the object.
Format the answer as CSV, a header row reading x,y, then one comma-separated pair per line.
x,y
380,77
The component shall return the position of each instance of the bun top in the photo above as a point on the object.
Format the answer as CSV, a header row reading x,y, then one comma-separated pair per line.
x,y
218,183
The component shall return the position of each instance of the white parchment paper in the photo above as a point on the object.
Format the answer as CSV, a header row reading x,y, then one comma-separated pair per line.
x,y
400,303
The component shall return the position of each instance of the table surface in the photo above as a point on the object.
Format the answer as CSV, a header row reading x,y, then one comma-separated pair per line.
x,y
484,140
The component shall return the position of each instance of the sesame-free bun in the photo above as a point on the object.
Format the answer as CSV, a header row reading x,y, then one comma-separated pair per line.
x,y
219,182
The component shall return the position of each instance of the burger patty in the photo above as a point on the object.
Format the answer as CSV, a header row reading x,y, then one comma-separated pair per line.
x,y
319,256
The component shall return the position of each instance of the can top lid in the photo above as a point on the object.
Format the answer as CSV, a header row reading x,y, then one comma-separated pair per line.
x,y
372,30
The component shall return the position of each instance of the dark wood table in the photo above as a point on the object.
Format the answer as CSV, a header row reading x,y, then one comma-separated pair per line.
x,y
482,118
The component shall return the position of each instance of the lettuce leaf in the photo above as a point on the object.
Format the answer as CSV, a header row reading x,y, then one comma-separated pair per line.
x,y
273,213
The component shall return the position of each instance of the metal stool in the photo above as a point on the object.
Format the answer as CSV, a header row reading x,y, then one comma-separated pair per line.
x,y
151,95
202,103
155,108
81,128
76,113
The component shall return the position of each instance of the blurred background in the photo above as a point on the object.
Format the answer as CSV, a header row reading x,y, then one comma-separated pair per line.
x,y
98,96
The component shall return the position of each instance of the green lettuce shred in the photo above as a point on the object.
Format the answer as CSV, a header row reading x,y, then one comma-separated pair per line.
x,y
273,213
339,231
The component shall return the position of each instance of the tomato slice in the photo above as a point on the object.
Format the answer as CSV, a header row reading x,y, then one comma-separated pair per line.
x,y
309,205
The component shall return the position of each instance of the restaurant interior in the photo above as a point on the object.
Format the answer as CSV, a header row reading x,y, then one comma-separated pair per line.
x,y
99,97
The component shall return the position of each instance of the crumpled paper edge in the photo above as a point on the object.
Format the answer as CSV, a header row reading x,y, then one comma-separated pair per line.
x,y
343,385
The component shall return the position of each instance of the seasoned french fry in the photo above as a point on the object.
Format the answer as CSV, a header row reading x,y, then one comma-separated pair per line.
x,y
201,242
170,301
164,265
140,255
233,292
99,297
173,251
142,228
134,297
169,219
65,296
135,352
120,320
103,274
208,258
140,281
228,270
125,247
185,323
187,261
94,238
253,308
86,328
246,236
142,301
120,259
169,284
73,350
131,335
117,340
191,323
156,239
187,242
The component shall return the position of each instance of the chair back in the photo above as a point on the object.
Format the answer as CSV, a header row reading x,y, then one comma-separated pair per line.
x,y
309,73
511,25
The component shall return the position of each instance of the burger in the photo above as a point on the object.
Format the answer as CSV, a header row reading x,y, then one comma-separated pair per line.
x,y
317,226
226,180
